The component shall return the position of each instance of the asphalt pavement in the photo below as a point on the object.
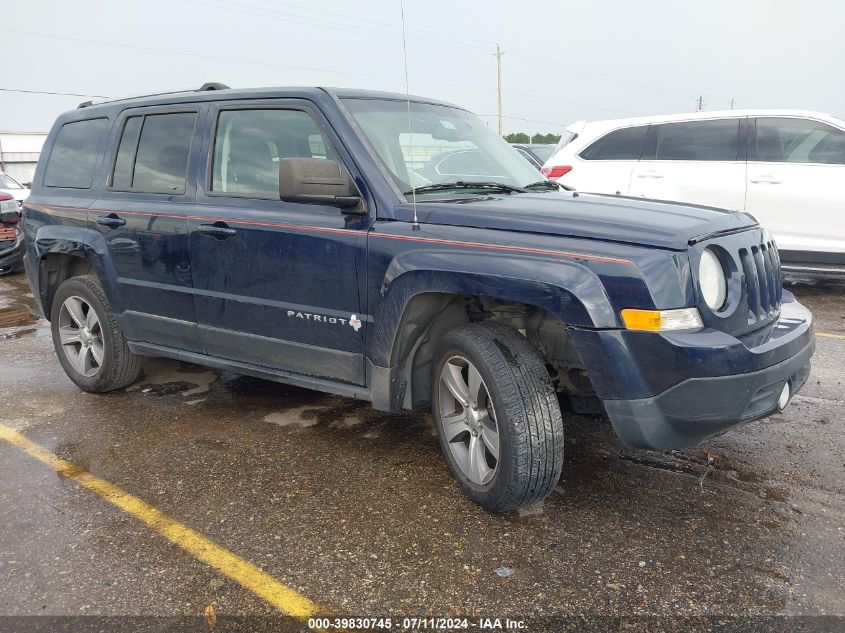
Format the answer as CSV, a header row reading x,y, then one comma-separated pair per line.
x,y
131,503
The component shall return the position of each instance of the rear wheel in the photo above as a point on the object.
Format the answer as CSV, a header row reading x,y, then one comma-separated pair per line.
x,y
89,344
497,416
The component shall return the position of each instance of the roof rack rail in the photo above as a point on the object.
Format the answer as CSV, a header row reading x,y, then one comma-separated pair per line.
x,y
206,87
213,85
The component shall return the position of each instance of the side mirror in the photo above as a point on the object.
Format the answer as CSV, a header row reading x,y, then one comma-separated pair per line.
x,y
317,181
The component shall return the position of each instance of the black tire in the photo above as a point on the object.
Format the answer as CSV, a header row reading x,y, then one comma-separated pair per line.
x,y
120,367
530,426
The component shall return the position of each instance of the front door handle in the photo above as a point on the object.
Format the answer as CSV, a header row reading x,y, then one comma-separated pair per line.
x,y
218,230
765,179
112,220
650,174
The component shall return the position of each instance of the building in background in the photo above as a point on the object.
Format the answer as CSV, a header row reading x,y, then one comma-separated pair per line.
x,y
19,152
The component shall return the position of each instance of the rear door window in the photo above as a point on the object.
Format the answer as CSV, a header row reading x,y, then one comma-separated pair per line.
x,y
153,153
125,161
74,155
624,144
788,140
698,140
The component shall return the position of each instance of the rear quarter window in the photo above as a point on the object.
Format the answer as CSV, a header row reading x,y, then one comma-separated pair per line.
x,y
787,140
624,144
73,157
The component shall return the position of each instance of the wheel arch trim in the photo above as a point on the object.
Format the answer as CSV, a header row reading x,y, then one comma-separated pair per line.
x,y
76,242
566,289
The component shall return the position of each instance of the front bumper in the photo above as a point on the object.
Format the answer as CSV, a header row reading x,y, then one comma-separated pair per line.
x,y
700,408
710,381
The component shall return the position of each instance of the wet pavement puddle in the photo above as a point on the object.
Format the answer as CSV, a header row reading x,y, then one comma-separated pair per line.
x,y
16,316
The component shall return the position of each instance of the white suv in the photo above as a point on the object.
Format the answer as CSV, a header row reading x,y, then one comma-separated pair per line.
x,y
785,167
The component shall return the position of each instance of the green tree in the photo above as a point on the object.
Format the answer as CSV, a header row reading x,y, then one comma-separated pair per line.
x,y
522,137
545,138
517,137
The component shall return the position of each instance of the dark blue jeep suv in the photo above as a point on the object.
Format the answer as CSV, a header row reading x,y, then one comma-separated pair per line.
x,y
300,235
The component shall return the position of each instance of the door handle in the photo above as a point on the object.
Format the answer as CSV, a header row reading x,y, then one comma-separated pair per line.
x,y
649,174
767,180
112,220
218,230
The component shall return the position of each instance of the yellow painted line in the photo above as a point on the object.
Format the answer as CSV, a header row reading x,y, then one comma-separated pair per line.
x,y
285,599
828,335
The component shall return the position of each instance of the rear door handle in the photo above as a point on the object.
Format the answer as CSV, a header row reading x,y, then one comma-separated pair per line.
x,y
767,180
218,230
650,174
112,220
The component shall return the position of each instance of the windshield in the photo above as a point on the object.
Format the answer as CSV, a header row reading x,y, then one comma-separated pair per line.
x,y
565,139
543,152
7,182
445,145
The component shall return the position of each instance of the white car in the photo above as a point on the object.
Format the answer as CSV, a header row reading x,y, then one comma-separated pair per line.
x,y
13,188
785,167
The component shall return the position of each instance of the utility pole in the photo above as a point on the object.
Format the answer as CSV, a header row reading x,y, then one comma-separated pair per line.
x,y
499,53
700,102
732,103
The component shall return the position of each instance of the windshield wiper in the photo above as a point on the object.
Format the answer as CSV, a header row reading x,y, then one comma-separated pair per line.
x,y
462,184
548,184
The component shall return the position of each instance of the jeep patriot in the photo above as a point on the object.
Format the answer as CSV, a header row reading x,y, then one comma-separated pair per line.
x,y
395,249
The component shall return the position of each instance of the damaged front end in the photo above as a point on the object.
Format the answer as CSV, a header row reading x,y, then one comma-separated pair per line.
x,y
11,236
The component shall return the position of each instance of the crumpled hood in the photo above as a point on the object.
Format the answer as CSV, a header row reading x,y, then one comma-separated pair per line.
x,y
639,221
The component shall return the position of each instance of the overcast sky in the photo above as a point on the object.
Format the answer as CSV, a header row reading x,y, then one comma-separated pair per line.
x,y
564,60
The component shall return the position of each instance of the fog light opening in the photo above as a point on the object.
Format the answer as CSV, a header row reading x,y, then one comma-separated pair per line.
x,y
783,399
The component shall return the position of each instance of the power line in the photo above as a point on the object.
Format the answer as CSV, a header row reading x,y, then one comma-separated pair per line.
x,y
528,58
516,118
151,49
483,44
165,51
576,104
49,92
372,27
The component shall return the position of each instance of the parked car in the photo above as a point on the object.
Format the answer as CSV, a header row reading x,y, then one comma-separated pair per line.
x,y
457,163
461,163
292,246
11,238
12,187
536,153
785,167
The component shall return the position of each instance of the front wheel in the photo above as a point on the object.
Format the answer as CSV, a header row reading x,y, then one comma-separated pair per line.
x,y
88,341
497,416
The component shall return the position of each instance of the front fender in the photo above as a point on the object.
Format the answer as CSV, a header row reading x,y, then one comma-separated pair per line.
x,y
567,289
76,242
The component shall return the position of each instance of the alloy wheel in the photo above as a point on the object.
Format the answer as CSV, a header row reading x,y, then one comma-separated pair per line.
x,y
468,420
81,336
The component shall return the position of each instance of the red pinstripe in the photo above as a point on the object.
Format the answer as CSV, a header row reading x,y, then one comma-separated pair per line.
x,y
384,236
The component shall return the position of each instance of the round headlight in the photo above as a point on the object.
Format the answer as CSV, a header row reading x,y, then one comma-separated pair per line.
x,y
711,278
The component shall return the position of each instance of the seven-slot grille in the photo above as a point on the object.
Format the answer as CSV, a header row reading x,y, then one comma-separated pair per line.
x,y
761,270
